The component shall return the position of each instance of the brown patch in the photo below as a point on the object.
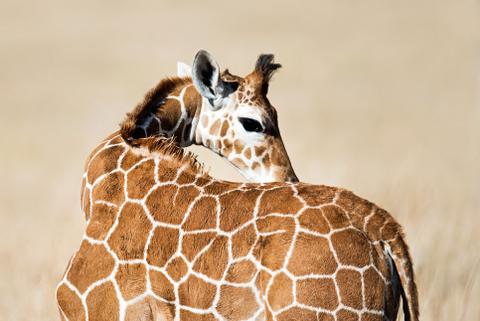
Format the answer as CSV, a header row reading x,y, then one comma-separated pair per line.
x,y
193,243
374,289
196,293
278,154
261,281
190,316
102,303
70,303
371,317
102,219
352,247
224,129
313,219
185,178
259,150
243,241
192,100
362,209
350,286
348,201
238,146
279,200
169,204
271,250
280,292
177,268
130,235
220,187
104,162
90,264
166,173
149,309
315,195
311,254
202,181
296,313
255,165
323,316
215,127
266,160
346,315
86,204
227,147
208,143
335,216
131,279
115,139
239,162
162,246
96,150
214,260
391,230
202,215
271,224
153,127
161,286
141,179
241,272
237,208
236,303
130,159
319,293
248,153
169,114
375,224
110,189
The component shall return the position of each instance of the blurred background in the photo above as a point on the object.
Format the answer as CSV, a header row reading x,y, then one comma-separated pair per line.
x,y
380,97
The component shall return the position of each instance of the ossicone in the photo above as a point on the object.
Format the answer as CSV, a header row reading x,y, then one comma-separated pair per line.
x,y
266,66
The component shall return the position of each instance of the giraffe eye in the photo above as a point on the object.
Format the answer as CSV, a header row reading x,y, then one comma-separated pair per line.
x,y
251,125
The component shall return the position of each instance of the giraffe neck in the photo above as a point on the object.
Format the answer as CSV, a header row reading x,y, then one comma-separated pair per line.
x,y
171,110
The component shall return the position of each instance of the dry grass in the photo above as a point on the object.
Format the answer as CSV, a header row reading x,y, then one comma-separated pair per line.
x,y
381,97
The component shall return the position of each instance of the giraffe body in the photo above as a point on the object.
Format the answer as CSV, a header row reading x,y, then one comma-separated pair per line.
x,y
168,242
165,241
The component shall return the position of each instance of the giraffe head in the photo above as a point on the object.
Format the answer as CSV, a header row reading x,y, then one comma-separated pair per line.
x,y
237,120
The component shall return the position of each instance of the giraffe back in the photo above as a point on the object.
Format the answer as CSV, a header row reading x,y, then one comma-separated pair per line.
x,y
166,241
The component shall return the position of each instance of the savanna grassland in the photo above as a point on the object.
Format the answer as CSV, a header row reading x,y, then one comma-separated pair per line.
x,y
380,97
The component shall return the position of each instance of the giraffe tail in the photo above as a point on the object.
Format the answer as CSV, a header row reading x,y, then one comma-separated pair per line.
x,y
398,251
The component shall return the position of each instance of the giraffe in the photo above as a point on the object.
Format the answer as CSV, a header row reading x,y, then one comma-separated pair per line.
x,y
166,241
226,113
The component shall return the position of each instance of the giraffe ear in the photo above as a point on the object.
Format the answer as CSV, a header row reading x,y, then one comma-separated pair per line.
x,y
206,78
183,70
